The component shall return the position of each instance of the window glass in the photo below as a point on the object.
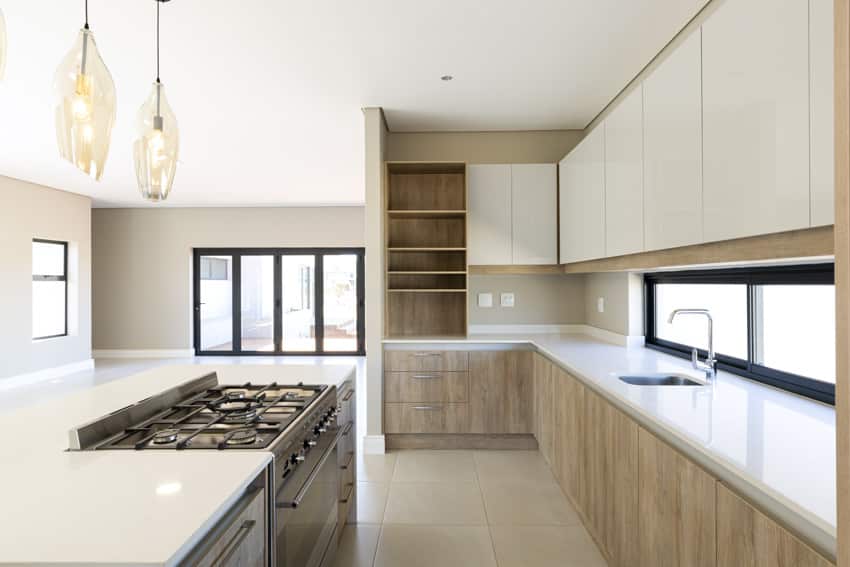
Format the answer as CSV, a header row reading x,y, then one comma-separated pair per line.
x,y
727,304
340,302
297,294
795,329
48,259
48,309
216,306
257,293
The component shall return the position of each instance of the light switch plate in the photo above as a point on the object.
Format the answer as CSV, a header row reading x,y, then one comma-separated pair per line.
x,y
507,299
600,304
485,300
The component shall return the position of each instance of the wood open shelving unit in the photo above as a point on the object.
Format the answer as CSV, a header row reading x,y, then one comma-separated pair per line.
x,y
425,206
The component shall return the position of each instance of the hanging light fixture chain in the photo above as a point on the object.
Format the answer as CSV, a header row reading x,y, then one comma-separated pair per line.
x,y
157,40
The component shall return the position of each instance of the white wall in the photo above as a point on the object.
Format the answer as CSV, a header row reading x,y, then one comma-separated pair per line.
x,y
33,211
142,261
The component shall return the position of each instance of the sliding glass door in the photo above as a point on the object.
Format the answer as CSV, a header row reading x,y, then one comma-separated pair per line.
x,y
278,301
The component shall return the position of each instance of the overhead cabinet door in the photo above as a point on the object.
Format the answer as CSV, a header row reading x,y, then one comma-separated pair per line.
x,y
534,213
756,118
624,176
673,149
582,206
489,214
822,112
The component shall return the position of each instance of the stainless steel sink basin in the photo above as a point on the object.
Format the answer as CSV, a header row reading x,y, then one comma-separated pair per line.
x,y
660,380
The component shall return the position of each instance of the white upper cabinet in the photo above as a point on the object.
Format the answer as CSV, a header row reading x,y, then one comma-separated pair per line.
x,y
489,215
534,213
756,118
672,139
582,203
624,176
822,111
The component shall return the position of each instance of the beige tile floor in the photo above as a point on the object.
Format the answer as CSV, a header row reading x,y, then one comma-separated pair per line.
x,y
463,509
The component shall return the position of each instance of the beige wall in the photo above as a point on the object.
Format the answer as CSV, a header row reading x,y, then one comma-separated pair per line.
x,y
33,211
142,260
623,298
482,147
538,300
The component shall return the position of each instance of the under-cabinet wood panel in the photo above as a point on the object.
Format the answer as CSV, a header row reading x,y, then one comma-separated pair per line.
x,y
426,418
426,386
569,438
426,360
609,479
500,392
544,407
676,507
748,538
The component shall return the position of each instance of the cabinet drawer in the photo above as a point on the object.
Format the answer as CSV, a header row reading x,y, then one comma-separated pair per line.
x,y
426,386
425,360
239,539
426,418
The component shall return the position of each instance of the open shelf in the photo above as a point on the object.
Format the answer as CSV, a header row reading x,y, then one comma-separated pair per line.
x,y
426,278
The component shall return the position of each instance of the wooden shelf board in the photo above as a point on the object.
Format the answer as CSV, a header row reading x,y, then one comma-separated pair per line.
x,y
426,273
426,290
425,249
516,269
426,214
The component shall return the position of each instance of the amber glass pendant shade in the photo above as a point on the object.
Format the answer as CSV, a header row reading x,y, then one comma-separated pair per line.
x,y
85,106
156,146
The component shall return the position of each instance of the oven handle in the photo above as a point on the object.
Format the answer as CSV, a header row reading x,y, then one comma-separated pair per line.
x,y
302,492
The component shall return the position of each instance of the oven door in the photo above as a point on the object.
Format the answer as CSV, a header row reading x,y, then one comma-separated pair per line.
x,y
306,506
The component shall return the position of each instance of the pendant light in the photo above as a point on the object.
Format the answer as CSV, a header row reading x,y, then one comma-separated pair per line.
x,y
2,44
85,105
158,140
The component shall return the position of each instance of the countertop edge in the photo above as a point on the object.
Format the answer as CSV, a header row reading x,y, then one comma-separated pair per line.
x,y
805,525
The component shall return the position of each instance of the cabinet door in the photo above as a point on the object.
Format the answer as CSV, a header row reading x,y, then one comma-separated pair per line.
x,y
544,407
756,118
569,396
534,213
822,111
609,479
673,149
489,214
582,200
747,538
676,507
624,176
500,392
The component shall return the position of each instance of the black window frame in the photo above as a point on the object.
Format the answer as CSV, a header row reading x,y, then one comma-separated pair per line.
x,y
808,274
53,278
318,298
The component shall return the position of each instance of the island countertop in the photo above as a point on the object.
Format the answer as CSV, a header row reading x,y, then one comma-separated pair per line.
x,y
776,448
122,507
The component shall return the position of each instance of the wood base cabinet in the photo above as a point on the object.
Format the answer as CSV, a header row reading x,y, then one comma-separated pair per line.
x,y
748,538
500,386
676,508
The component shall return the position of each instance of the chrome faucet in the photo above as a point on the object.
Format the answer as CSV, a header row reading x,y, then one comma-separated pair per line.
x,y
710,364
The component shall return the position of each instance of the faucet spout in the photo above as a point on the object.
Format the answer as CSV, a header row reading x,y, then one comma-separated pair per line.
x,y
710,364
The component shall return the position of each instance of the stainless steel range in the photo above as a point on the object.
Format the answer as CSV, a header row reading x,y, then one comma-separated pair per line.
x,y
296,423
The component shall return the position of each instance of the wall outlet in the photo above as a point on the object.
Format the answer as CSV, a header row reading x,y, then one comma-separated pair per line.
x,y
600,304
485,300
507,299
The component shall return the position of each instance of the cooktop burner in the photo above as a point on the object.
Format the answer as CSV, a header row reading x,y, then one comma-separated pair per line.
x,y
223,417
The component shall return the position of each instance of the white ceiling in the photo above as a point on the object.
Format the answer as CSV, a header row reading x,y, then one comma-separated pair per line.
x,y
268,92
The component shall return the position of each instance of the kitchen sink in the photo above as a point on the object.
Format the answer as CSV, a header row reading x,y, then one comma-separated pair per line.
x,y
660,380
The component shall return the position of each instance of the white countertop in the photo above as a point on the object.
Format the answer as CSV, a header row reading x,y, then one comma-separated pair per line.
x,y
122,507
774,447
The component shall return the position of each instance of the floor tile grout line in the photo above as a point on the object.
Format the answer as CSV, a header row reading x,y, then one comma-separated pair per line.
x,y
484,505
383,515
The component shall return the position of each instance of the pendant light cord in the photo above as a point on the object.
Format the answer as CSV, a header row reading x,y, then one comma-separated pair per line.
x,y
157,40
87,14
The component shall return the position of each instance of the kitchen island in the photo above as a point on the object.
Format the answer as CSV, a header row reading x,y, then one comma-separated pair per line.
x,y
123,507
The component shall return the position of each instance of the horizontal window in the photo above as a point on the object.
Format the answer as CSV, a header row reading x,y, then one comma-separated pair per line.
x,y
775,325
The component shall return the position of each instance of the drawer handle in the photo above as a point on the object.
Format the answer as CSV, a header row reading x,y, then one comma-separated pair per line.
x,y
237,540
426,376
427,407
424,354
348,395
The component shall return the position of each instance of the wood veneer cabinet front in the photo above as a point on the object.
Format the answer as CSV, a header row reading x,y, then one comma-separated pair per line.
x,y
676,509
425,360
500,392
426,418
544,407
426,387
748,538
